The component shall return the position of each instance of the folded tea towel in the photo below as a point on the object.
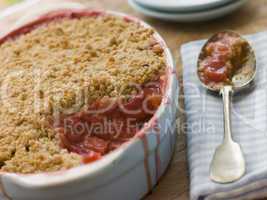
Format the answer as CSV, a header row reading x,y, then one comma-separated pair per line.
x,y
205,128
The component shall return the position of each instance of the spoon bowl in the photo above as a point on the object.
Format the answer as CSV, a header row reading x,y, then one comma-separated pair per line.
x,y
228,164
244,76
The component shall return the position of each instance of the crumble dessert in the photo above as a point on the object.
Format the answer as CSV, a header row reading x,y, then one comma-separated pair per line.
x,y
223,56
57,73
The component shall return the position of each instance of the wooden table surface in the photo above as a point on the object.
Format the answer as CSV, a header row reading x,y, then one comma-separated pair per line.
x,y
174,185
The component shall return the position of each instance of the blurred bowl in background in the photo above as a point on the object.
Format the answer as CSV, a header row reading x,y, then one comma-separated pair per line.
x,y
196,16
182,5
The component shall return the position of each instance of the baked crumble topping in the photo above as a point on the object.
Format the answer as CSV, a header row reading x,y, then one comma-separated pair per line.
x,y
61,67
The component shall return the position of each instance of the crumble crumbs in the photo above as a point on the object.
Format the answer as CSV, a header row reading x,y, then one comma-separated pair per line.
x,y
65,65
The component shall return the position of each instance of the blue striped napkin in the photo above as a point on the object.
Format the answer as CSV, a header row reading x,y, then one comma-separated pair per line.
x,y
205,128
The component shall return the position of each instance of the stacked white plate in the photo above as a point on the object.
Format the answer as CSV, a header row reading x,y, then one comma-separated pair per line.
x,y
186,10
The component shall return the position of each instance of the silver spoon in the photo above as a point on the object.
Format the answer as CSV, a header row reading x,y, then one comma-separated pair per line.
x,y
228,164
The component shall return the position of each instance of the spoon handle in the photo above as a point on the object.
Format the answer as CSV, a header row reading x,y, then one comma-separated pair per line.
x,y
226,93
228,164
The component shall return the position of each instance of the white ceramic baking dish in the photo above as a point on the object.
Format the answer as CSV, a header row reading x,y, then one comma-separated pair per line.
x,y
129,172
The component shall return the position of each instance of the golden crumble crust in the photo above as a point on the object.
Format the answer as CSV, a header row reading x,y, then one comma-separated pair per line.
x,y
64,65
